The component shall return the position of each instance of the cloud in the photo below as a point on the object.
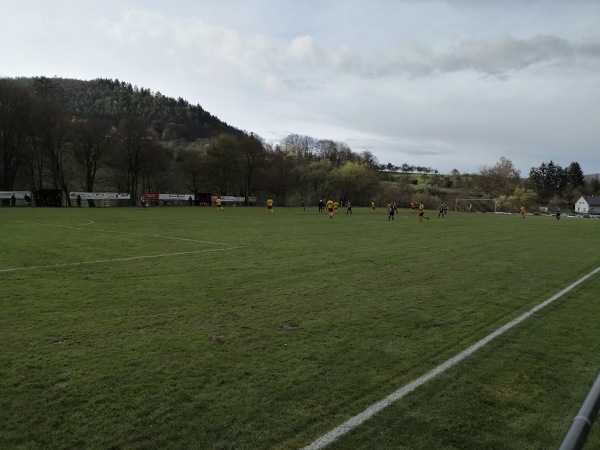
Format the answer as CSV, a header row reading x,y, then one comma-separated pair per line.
x,y
262,60
135,26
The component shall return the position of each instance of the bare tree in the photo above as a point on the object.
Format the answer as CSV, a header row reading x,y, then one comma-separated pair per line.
x,y
136,142
15,107
223,165
91,140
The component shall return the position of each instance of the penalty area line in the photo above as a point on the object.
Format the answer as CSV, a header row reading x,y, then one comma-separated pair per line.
x,y
368,413
131,258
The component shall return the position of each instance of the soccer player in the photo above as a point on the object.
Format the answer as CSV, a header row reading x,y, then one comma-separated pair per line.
x,y
336,205
522,211
441,211
349,205
558,213
330,208
219,203
412,206
270,206
390,210
373,207
422,212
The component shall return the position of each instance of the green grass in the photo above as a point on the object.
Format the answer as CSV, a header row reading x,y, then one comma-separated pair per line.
x,y
189,328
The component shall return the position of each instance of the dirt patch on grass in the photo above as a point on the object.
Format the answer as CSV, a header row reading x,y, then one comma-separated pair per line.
x,y
217,337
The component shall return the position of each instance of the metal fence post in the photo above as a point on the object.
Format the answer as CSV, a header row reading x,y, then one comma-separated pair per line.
x,y
582,423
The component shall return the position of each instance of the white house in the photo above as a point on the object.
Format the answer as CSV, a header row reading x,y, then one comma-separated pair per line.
x,y
588,205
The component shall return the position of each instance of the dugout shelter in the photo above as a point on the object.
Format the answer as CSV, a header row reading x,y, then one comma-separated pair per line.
x,y
49,198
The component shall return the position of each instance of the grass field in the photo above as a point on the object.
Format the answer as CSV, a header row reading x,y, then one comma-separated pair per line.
x,y
187,328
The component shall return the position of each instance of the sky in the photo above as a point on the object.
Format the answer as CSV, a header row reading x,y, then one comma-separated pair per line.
x,y
446,84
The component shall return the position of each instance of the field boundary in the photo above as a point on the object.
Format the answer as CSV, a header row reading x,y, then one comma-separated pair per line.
x,y
368,413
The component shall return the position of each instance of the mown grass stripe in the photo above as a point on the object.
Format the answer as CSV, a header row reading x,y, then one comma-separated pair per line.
x,y
355,421
110,260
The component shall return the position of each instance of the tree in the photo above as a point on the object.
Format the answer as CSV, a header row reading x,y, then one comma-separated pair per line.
x,y
353,180
252,155
575,175
501,179
316,177
15,109
91,140
52,130
593,187
406,168
281,173
520,196
136,142
190,162
548,179
222,163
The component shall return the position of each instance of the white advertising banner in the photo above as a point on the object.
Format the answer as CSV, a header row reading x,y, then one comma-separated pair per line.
x,y
101,195
175,196
228,198
19,195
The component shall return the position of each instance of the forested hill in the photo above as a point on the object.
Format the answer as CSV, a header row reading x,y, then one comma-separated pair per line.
x,y
114,99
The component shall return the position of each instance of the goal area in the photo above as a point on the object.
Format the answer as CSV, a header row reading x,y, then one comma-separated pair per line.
x,y
475,205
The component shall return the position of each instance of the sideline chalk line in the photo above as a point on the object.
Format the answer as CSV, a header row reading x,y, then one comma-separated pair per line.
x,y
131,258
115,232
358,419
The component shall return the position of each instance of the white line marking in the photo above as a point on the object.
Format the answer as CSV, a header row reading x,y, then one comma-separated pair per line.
x,y
358,419
131,258
116,232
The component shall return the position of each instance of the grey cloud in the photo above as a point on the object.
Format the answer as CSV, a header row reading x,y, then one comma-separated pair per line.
x,y
503,54
497,56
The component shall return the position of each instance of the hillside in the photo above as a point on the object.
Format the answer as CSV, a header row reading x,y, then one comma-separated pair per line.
x,y
113,99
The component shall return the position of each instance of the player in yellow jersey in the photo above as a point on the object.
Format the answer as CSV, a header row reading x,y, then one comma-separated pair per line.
x,y
373,207
522,211
330,208
219,203
270,206
336,205
422,212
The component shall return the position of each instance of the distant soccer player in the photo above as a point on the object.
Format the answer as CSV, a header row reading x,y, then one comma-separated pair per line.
x,y
558,213
336,205
270,206
522,211
219,203
412,206
373,207
349,205
441,211
422,212
390,210
330,208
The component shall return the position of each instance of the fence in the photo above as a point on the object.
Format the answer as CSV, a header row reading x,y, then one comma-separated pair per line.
x,y
582,423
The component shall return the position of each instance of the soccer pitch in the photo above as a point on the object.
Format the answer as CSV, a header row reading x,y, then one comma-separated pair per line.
x,y
191,328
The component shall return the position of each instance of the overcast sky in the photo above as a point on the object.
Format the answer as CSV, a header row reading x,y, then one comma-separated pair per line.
x,y
452,84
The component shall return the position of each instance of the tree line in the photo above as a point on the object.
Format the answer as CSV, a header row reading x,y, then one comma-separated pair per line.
x,y
107,135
